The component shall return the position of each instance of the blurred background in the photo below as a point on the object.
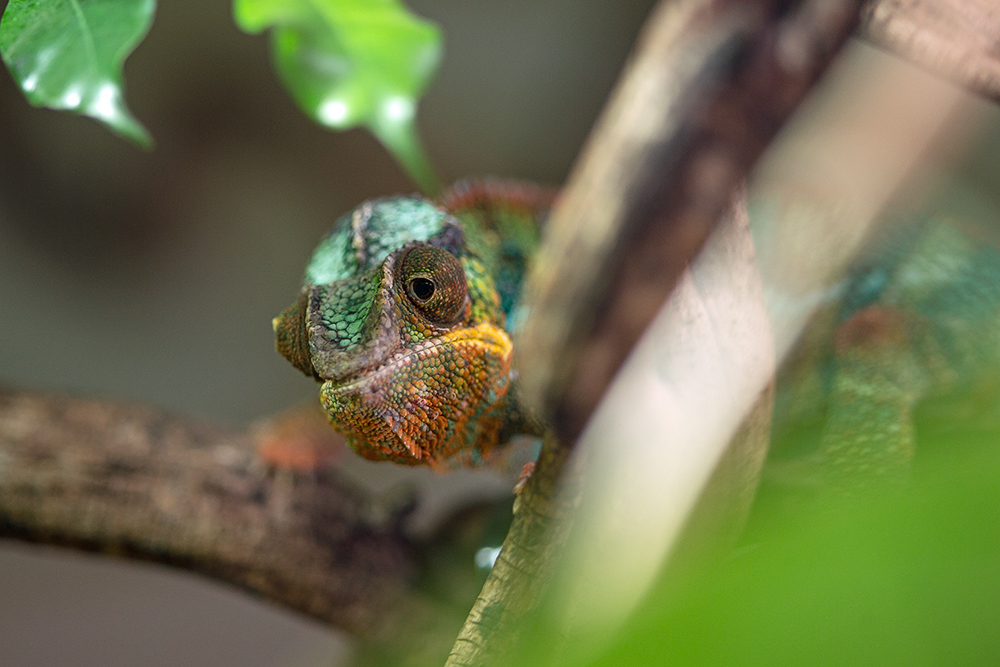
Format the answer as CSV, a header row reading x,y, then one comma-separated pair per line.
x,y
153,276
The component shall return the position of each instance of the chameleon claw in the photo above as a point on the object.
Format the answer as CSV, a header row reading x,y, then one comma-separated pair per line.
x,y
522,480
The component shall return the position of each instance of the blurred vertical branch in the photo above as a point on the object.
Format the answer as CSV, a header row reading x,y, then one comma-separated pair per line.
x,y
708,87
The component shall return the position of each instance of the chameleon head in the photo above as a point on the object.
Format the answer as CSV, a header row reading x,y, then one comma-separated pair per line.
x,y
400,321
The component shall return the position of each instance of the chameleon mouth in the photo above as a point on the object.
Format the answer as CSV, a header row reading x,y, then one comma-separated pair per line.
x,y
424,404
486,338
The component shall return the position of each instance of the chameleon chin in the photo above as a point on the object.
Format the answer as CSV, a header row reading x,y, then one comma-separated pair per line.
x,y
403,317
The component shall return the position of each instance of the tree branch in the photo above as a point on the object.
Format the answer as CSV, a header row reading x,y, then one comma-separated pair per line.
x,y
956,39
128,480
710,84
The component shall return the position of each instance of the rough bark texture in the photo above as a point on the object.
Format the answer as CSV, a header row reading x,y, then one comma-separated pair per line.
x,y
957,39
519,578
128,480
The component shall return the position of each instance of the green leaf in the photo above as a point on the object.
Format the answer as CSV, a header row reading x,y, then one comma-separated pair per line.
x,y
68,54
353,62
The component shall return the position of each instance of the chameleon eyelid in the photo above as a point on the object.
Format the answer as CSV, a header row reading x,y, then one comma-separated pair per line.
x,y
435,282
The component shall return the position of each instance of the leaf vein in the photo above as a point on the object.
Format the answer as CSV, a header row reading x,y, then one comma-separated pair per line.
x,y
88,36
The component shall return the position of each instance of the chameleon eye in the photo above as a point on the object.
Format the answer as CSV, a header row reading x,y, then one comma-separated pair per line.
x,y
422,289
435,283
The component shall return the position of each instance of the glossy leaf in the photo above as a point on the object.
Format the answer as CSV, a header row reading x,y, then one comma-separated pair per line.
x,y
68,54
353,62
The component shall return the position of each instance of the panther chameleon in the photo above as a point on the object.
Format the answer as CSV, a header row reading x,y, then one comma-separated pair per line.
x,y
405,318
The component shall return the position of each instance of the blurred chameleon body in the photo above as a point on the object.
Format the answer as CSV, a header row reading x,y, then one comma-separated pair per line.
x,y
404,318
917,330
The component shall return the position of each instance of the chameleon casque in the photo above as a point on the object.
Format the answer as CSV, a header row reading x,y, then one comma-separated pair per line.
x,y
405,317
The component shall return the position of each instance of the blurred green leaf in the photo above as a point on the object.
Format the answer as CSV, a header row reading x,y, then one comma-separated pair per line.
x,y
903,574
353,62
897,575
68,54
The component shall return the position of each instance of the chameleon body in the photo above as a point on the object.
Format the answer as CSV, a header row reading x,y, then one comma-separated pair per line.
x,y
404,317
917,329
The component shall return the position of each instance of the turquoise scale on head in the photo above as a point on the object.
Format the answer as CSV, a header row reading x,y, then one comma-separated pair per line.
x,y
345,275
363,239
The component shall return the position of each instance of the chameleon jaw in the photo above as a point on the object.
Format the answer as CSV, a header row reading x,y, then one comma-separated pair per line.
x,y
422,405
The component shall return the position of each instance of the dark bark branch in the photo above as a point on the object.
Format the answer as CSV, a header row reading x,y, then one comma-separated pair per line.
x,y
957,39
710,84
131,481
518,580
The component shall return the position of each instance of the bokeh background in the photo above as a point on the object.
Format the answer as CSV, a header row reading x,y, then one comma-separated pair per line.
x,y
153,276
